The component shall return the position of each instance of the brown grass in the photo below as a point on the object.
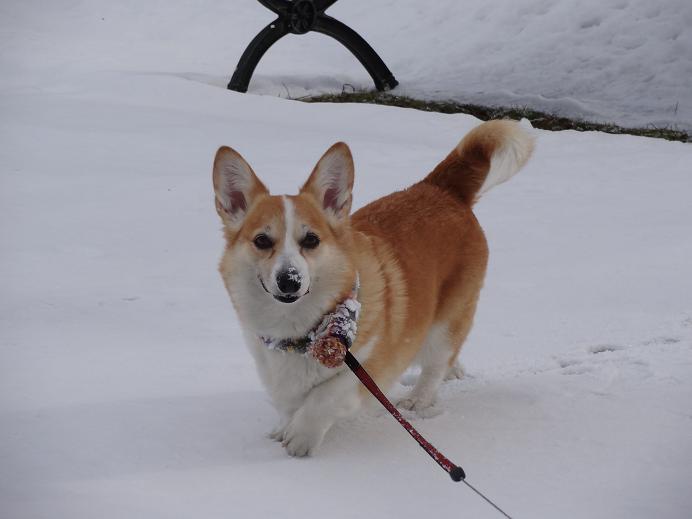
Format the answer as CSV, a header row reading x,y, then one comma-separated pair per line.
x,y
542,120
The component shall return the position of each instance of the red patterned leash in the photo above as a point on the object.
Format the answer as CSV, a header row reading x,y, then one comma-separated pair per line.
x,y
454,471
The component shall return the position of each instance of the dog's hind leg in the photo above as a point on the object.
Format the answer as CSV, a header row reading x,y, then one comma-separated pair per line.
x,y
460,327
453,320
434,357
439,353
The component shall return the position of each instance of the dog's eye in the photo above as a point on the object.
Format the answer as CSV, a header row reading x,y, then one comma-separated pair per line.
x,y
262,241
310,241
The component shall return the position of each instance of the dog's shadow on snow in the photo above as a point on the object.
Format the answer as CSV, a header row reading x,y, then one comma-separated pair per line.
x,y
100,440
467,411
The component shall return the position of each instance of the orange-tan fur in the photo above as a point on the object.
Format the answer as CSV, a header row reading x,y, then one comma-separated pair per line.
x,y
420,255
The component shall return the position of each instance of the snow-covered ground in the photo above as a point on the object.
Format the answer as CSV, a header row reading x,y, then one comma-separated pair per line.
x,y
125,390
623,61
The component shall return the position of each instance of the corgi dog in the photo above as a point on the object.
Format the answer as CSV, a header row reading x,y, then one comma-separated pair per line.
x,y
417,257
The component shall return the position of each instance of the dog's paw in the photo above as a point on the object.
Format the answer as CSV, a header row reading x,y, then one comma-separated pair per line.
x,y
300,441
299,446
423,407
277,433
279,430
455,371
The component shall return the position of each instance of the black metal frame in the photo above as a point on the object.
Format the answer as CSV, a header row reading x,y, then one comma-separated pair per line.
x,y
300,17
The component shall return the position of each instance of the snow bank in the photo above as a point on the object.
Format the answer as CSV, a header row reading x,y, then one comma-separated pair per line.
x,y
623,61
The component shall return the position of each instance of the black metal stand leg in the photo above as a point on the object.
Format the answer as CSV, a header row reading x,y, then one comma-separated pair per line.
x,y
299,17
254,52
361,49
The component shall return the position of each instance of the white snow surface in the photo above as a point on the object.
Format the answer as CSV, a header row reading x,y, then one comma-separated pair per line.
x,y
622,61
125,389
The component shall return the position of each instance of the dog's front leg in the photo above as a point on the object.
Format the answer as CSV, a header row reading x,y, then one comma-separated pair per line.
x,y
277,433
333,399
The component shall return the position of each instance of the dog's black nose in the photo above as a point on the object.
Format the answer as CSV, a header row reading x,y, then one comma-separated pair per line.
x,y
288,281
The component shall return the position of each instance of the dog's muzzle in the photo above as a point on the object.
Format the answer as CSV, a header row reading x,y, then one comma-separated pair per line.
x,y
284,297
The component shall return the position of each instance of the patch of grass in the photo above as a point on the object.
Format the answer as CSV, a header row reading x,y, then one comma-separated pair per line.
x,y
542,120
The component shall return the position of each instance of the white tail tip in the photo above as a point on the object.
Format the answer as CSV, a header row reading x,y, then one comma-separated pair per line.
x,y
516,145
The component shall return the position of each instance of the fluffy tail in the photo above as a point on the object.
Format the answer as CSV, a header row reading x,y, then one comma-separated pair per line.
x,y
488,155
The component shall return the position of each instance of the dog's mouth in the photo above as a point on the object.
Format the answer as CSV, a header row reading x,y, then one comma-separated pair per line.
x,y
286,299
282,298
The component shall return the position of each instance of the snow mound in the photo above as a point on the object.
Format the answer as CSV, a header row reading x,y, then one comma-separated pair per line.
x,y
622,61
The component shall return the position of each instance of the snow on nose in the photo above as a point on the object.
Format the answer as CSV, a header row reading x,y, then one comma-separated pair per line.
x,y
289,280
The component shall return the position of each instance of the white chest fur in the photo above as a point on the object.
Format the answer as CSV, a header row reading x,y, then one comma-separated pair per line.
x,y
287,376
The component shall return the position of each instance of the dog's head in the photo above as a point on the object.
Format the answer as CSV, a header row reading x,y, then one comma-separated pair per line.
x,y
287,258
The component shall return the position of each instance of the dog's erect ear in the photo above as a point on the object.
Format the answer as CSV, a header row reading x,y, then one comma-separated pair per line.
x,y
331,181
235,185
